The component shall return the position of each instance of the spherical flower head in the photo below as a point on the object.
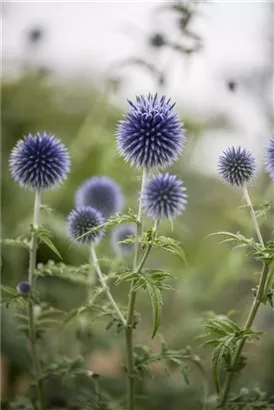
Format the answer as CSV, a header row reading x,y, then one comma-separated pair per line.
x,y
39,162
151,135
102,193
120,233
269,158
83,219
237,166
23,288
164,196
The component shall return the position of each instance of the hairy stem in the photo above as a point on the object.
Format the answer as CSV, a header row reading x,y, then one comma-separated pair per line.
x,y
131,306
254,309
32,333
104,285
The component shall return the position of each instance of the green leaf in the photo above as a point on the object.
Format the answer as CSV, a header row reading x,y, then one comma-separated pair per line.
x,y
156,303
239,238
217,356
19,242
44,236
170,245
264,209
184,371
117,219
8,293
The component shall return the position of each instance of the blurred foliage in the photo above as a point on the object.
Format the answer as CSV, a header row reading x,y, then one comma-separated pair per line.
x,y
214,278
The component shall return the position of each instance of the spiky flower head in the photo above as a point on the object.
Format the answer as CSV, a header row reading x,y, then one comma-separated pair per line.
x,y
120,233
236,166
39,162
80,221
102,193
164,196
151,134
23,288
269,158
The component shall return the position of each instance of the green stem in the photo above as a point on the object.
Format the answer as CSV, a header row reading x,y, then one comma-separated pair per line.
x,y
131,306
253,216
32,333
254,309
148,249
104,285
91,279
252,314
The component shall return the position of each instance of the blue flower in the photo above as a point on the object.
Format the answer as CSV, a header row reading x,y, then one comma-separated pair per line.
x,y
269,158
237,166
23,288
120,233
151,135
164,197
83,219
39,162
101,193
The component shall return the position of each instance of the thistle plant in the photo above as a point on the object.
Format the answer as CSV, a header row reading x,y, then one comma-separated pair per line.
x,y
38,163
151,138
237,166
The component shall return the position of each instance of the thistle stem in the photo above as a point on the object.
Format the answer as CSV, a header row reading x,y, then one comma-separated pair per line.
x,y
253,216
131,305
104,285
32,333
254,309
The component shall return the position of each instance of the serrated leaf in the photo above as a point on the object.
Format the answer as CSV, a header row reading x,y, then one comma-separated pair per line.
x,y
44,236
238,238
47,241
211,343
156,303
170,245
216,364
114,220
217,358
8,292
184,371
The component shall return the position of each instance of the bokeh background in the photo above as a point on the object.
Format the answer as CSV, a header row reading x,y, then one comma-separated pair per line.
x,y
68,68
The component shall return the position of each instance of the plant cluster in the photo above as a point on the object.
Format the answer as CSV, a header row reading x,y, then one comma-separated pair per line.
x,y
150,138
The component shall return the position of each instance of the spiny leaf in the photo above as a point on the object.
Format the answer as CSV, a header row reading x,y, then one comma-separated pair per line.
x,y
237,238
184,371
156,302
7,292
170,245
117,219
264,209
217,357
44,236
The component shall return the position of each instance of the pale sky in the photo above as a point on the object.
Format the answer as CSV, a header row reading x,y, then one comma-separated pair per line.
x,y
86,37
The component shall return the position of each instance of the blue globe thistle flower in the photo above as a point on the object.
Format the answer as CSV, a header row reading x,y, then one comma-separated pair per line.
x,y
81,220
102,193
237,166
23,288
151,135
120,233
269,158
39,162
164,197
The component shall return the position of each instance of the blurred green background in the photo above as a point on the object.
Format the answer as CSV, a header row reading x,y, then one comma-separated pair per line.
x,y
216,278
